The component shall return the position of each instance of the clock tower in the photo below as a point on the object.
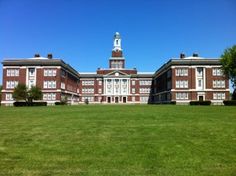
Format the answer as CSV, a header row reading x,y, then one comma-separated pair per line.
x,y
117,61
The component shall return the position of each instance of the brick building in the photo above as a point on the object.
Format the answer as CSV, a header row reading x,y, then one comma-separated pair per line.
x,y
115,84
190,78
181,80
57,79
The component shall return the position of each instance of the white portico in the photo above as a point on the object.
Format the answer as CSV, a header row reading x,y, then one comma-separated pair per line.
x,y
116,87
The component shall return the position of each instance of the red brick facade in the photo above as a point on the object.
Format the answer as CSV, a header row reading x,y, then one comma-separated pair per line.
x,y
51,94
181,80
187,84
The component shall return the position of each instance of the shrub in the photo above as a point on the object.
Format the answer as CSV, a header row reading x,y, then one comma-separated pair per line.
x,y
22,103
38,104
61,103
200,103
229,102
86,101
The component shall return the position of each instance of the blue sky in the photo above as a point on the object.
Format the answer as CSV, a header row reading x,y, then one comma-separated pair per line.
x,y
81,31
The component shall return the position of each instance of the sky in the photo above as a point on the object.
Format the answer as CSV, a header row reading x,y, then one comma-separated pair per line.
x,y
81,31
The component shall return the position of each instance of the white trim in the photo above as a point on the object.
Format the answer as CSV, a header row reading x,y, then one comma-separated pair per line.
x,y
195,90
46,91
7,91
6,67
69,92
195,66
8,101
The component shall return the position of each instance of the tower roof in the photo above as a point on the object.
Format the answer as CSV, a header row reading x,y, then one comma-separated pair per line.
x,y
117,35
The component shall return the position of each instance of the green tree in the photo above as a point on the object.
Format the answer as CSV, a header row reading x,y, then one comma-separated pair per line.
x,y
34,93
20,92
228,61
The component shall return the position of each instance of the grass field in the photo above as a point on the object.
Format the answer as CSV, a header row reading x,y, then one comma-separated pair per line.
x,y
118,140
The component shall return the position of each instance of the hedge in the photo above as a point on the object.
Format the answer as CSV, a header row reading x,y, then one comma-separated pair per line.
x,y
60,103
229,102
200,103
19,103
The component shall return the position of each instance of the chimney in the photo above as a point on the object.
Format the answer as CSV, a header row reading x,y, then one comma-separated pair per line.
x,y
49,56
37,55
182,55
195,54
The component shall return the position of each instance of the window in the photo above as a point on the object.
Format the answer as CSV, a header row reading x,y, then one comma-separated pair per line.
x,y
144,90
133,90
63,86
217,72
8,72
12,72
50,72
54,72
31,71
182,96
88,82
199,83
99,91
87,90
145,82
116,64
182,84
11,84
49,96
218,96
9,97
99,83
218,83
133,83
88,98
49,84
31,83
199,71
181,72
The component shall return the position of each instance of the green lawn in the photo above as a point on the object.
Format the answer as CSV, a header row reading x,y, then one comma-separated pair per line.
x,y
118,140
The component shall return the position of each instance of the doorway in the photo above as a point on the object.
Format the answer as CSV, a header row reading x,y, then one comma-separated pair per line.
x,y
108,99
200,98
124,99
116,99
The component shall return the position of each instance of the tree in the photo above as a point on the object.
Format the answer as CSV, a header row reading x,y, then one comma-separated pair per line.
x,y
34,93
21,92
228,61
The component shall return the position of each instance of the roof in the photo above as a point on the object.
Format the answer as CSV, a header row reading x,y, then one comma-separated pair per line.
x,y
40,61
190,61
94,75
90,75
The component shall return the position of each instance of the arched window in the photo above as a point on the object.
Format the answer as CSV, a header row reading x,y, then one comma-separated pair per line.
x,y
117,42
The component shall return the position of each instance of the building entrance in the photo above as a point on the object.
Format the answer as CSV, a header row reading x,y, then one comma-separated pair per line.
x,y
108,99
124,99
116,99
